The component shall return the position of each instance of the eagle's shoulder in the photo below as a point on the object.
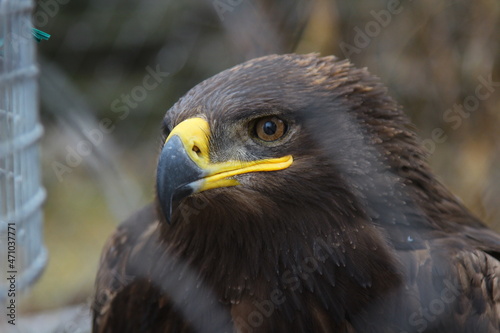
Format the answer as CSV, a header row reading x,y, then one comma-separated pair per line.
x,y
452,283
129,242
471,292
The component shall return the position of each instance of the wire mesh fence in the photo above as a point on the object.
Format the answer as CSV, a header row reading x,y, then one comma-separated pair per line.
x,y
21,194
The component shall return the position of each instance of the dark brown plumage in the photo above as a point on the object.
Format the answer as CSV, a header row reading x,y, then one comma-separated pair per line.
x,y
355,235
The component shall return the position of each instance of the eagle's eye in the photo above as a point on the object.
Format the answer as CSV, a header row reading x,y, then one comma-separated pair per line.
x,y
269,128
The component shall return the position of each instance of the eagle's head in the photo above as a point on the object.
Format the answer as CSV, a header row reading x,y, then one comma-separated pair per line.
x,y
280,132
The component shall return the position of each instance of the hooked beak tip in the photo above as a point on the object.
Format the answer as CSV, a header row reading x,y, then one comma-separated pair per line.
x,y
176,170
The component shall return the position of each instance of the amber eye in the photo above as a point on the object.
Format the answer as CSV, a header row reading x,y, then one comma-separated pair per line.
x,y
270,128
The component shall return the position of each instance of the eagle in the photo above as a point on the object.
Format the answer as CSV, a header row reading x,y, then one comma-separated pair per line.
x,y
293,195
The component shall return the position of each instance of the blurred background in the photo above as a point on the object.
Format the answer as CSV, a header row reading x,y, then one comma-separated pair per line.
x,y
113,68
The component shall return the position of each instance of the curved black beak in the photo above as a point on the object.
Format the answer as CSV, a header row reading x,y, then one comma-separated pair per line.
x,y
176,170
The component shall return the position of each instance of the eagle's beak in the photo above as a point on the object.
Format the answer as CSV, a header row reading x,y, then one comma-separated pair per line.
x,y
184,166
